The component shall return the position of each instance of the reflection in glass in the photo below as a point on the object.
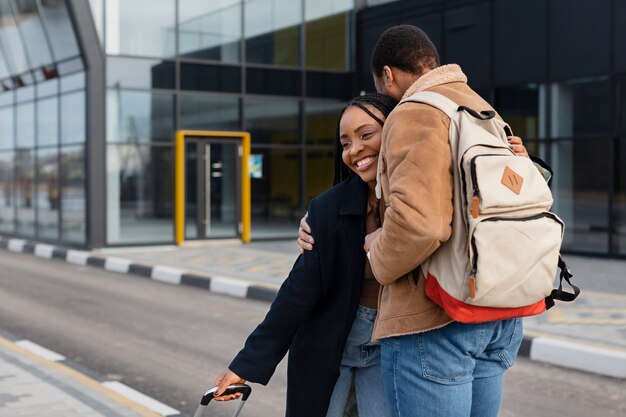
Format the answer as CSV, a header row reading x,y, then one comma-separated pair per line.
x,y
140,73
316,9
276,193
70,66
25,125
274,81
10,40
47,88
272,31
210,78
320,171
24,195
60,29
620,200
139,194
325,84
73,117
6,96
209,113
139,117
32,33
73,194
272,121
519,107
321,118
48,122
141,27
592,107
210,30
6,128
47,195
73,82
26,93
622,107
377,2
22,80
328,37
580,187
4,71
581,108
7,209
328,42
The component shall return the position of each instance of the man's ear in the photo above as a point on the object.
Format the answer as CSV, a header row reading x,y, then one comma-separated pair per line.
x,y
388,76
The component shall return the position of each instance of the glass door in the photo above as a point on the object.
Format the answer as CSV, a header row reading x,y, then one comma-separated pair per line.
x,y
212,189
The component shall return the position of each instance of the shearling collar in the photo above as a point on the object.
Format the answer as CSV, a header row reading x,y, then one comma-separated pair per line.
x,y
441,75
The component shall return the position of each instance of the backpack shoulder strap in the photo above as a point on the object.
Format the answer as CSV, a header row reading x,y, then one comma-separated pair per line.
x,y
436,100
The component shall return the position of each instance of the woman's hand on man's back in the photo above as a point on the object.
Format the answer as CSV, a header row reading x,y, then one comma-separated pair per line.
x,y
305,240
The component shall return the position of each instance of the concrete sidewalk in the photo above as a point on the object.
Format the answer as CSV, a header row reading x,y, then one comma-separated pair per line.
x,y
588,334
36,382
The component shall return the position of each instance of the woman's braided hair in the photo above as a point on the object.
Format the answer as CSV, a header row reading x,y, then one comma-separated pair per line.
x,y
383,103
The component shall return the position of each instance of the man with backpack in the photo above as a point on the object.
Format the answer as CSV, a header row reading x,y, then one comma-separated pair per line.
x,y
432,364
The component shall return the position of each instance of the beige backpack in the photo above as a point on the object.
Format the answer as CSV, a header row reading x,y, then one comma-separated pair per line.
x,y
502,257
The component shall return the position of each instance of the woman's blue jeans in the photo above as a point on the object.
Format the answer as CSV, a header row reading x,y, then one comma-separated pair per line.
x,y
361,363
454,371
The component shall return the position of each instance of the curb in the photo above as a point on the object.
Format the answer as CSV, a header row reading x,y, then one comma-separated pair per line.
x,y
564,353
93,377
573,355
215,284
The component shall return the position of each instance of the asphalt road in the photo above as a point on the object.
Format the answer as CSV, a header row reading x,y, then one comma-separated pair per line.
x,y
170,341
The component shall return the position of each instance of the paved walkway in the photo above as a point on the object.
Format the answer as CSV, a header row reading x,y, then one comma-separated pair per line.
x,y
33,386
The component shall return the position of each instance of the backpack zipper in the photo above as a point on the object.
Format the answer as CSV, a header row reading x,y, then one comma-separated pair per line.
x,y
476,194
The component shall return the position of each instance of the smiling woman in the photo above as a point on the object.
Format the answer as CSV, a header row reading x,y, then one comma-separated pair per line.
x,y
324,312
359,132
360,141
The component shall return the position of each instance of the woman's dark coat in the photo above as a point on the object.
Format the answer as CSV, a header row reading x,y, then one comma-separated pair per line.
x,y
315,307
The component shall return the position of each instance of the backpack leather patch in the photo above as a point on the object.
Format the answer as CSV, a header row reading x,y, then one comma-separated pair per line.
x,y
512,180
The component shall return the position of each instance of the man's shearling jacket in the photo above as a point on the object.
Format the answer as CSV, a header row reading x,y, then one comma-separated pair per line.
x,y
415,182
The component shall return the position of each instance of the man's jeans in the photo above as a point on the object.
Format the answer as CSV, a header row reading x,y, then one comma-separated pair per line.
x,y
455,371
361,363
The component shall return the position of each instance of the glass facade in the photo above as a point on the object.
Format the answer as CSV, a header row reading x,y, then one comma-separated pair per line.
x,y
140,133
210,30
140,27
281,70
226,65
139,193
619,201
581,125
327,22
272,31
42,119
570,115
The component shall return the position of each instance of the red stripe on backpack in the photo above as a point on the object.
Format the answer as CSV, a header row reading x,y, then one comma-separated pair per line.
x,y
468,313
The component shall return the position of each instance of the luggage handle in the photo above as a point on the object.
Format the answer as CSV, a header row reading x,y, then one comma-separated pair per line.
x,y
244,389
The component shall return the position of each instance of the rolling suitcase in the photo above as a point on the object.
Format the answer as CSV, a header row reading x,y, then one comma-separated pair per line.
x,y
244,389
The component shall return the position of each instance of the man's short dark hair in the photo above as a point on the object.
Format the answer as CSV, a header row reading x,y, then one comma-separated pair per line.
x,y
405,47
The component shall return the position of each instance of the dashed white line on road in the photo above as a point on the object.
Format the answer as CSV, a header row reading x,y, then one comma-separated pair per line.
x,y
138,397
40,350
